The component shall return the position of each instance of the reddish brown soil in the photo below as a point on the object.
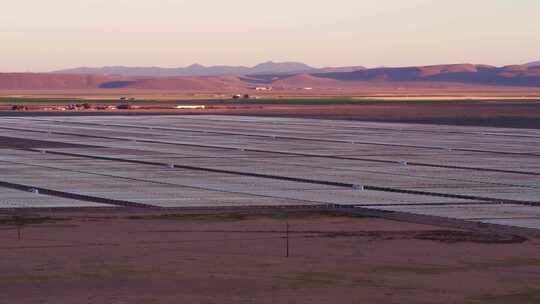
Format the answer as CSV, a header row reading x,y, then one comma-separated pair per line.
x,y
499,114
151,258
517,115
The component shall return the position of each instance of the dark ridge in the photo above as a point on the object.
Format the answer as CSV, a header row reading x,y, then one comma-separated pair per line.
x,y
115,84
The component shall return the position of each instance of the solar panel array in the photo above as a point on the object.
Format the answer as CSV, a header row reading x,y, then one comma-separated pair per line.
x,y
472,173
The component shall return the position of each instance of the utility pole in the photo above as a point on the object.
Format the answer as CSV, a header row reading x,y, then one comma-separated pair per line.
x,y
287,239
19,222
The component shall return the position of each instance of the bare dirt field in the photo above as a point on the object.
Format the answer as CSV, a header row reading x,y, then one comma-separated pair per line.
x,y
152,257
514,114
128,256
497,114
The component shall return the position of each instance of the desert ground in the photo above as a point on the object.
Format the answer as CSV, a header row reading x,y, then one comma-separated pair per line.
x,y
499,110
183,257
418,249
282,152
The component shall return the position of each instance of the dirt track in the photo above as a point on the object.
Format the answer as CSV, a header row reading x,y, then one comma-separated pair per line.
x,y
235,258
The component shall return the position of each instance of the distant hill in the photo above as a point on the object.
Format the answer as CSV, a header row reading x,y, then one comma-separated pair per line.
x,y
282,76
30,81
34,81
201,70
516,75
279,68
305,80
340,69
533,64
195,70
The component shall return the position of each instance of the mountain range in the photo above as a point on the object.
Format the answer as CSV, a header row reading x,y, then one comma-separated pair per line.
x,y
201,70
281,76
514,75
266,68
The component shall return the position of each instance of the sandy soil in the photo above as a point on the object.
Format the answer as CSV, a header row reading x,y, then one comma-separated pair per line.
x,y
122,257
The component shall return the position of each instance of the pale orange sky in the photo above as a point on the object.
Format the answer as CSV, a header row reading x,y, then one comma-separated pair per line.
x,y
39,36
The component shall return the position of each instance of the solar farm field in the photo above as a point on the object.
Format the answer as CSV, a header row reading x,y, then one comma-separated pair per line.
x,y
477,174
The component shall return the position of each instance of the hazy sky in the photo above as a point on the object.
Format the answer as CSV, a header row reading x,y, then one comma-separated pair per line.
x,y
39,35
